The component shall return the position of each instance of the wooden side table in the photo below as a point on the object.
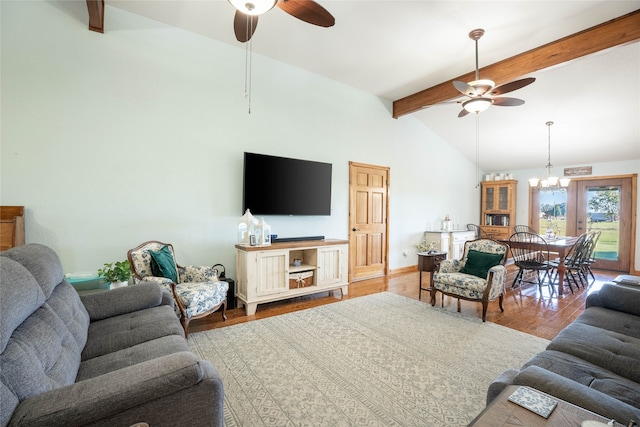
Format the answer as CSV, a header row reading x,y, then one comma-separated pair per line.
x,y
502,412
428,262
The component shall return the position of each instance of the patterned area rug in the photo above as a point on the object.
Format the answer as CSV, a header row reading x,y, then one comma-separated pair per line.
x,y
377,360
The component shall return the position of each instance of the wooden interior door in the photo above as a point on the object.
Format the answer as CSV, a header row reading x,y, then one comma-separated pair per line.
x,y
368,226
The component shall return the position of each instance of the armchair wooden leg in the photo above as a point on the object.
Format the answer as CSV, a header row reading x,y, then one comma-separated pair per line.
x,y
500,298
484,310
185,326
458,305
224,310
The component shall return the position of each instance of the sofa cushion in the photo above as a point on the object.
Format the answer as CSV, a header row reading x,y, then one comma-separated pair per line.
x,y
578,394
130,356
615,297
43,352
588,374
610,350
42,262
126,330
612,320
100,401
101,305
21,296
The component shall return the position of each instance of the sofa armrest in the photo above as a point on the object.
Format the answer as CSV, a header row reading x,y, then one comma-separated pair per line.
x,y
504,380
577,394
101,305
614,297
109,395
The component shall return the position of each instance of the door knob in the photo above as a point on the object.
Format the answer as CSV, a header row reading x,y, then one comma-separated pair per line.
x,y
355,229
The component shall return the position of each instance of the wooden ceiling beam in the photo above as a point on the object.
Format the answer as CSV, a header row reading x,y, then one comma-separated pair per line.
x,y
96,15
622,30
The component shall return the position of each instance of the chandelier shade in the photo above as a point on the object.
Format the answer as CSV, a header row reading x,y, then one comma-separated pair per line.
x,y
550,182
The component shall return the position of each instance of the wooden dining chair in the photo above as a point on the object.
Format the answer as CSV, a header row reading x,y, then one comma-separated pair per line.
x,y
524,229
574,263
531,254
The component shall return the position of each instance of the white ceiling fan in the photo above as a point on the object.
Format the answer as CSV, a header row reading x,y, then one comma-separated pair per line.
x,y
484,93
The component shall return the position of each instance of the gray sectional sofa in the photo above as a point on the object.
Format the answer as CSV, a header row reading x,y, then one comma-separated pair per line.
x,y
113,358
594,362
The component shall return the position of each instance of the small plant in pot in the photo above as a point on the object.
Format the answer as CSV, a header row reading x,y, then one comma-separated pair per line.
x,y
116,273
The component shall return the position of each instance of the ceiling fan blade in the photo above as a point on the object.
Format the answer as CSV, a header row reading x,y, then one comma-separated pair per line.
x,y
463,113
244,26
511,86
507,102
464,88
308,11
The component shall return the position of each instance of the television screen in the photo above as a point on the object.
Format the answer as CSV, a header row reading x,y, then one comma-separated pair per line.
x,y
282,186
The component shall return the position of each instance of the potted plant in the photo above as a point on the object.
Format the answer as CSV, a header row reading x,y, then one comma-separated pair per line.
x,y
116,274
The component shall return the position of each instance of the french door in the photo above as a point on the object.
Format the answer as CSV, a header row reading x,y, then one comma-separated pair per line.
x,y
603,204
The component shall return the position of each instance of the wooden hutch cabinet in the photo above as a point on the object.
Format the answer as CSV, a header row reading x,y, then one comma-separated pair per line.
x,y
498,210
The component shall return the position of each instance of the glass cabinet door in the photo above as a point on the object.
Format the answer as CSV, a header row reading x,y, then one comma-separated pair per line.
x,y
503,198
488,198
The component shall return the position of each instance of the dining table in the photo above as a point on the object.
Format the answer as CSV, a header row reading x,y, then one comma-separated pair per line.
x,y
560,245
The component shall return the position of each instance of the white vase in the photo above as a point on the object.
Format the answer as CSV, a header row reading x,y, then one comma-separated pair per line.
x,y
114,285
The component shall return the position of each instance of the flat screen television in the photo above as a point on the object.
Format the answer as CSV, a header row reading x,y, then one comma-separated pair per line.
x,y
282,186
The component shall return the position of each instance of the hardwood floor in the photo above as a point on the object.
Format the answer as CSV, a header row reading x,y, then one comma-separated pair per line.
x,y
525,309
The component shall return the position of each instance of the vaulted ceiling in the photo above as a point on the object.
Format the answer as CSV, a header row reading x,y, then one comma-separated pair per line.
x,y
407,53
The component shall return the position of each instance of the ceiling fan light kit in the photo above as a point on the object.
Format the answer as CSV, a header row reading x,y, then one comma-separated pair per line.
x,y
477,105
254,7
482,92
550,182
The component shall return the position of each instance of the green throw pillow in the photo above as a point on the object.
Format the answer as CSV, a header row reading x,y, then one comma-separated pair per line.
x,y
479,263
163,265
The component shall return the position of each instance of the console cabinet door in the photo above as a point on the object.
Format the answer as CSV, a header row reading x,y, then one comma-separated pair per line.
x,y
272,272
332,265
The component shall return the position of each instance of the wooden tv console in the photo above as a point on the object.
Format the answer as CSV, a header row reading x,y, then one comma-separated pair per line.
x,y
268,273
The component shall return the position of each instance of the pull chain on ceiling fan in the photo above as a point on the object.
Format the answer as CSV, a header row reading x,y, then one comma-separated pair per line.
x,y
482,92
245,22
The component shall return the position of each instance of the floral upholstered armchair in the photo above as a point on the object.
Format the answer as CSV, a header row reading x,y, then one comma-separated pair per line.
x,y
479,275
196,290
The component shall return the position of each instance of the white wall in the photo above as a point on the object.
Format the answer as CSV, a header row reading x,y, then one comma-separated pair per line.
x,y
112,139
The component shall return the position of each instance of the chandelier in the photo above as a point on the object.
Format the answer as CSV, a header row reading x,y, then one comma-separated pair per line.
x,y
550,182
